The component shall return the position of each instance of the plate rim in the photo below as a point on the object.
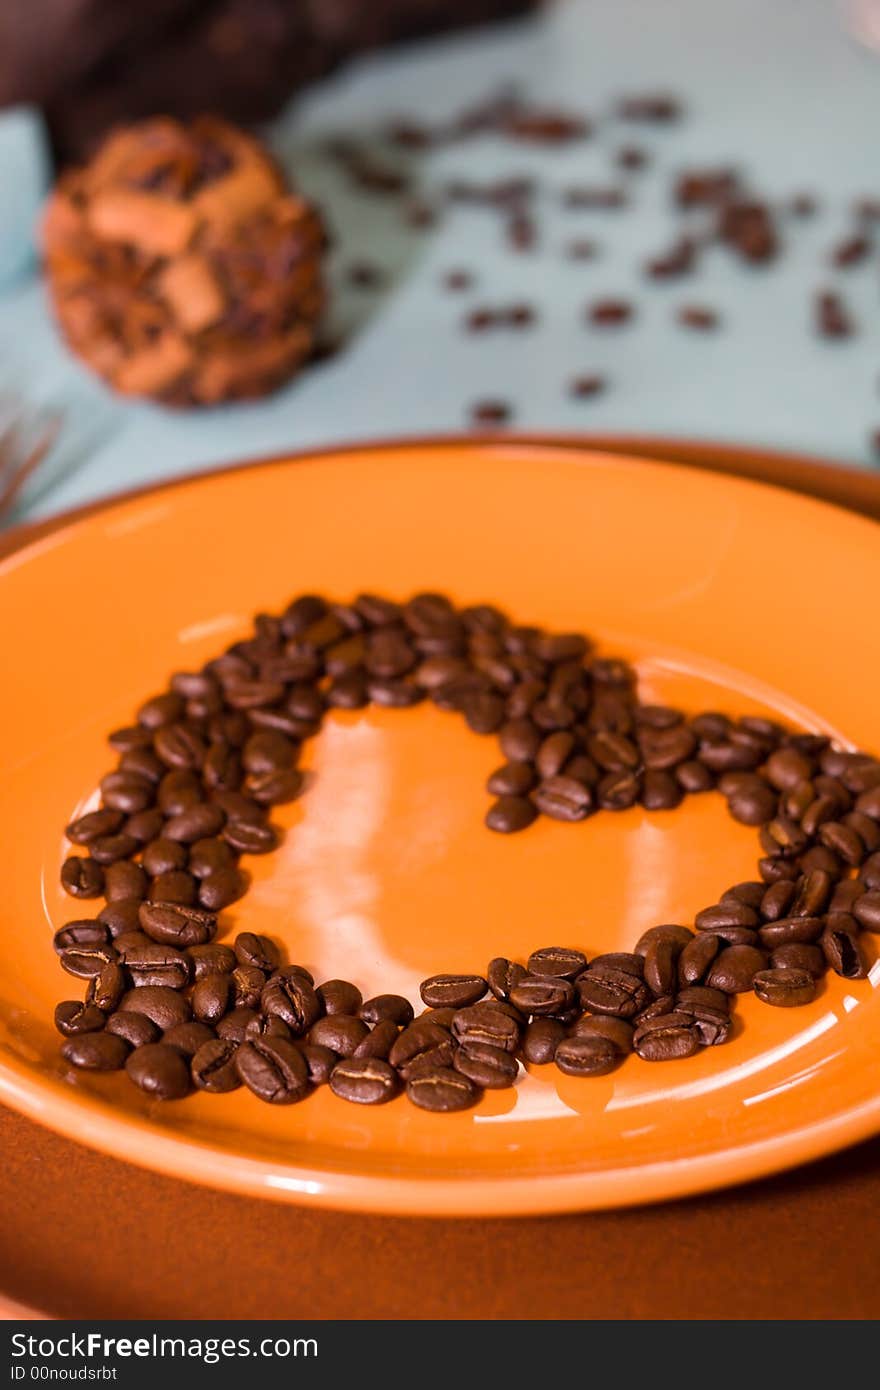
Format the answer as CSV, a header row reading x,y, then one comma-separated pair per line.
x,y
125,1138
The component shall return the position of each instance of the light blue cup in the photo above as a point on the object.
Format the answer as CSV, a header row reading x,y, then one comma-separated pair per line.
x,y
24,179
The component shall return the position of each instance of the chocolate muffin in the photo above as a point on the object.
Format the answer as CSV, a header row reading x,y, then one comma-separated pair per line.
x,y
181,267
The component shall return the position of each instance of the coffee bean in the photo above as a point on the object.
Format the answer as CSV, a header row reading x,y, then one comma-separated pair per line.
x,y
866,910
85,961
660,791
292,998
175,924
442,1090
840,944
777,900
162,856
364,1080
177,887
259,951
617,791
212,958
563,798
481,1023
163,1006
661,965
240,1024
510,814
211,997
710,1012
159,1070
126,792
249,838
452,991
391,1007
605,989
379,1041
488,1067
135,1029
319,1061
666,1037
734,969
731,914
197,822
543,994
94,825
502,975
786,988
82,878
82,932
107,988
678,937
342,1033
145,826
73,1017
697,957
790,929
798,956
155,964
187,1038
248,983
210,856
587,1054
221,889
273,1069
540,1040
513,780
339,997
617,1031
213,1067
96,1051
694,776
554,960
753,804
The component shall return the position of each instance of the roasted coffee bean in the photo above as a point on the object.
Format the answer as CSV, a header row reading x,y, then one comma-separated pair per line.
x,y
617,1031
379,1041
275,788
563,798
213,1067
96,1051
155,964
94,825
554,753
187,1038
617,791
629,961
83,878
777,900
753,804
136,1029
133,736
729,914
786,988
364,1080
248,983
260,951
540,1040
259,1026
144,763
160,710
417,1039
660,791
211,997
339,997
221,889
176,887
290,996
197,822
248,838
866,910
799,956
176,924
734,969
73,1017
107,849
159,1070
605,989
87,931
586,1054
127,792
85,961
786,930
106,989
239,1025
452,991
488,1067
387,1007
483,1023
342,1033
694,776
661,965
666,1037
865,827
163,1006
513,779
510,814
319,1061
786,767
841,946
697,957
554,960
502,975
212,958
442,1090
162,856
543,994
273,1069
211,856
678,937
710,1011
145,826
520,740
268,751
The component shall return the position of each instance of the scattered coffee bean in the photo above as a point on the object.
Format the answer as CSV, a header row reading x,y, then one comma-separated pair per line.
x,y
96,1051
365,1080
442,1090
785,987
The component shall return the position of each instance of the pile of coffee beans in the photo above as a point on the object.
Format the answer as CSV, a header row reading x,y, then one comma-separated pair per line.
x,y
712,208
190,799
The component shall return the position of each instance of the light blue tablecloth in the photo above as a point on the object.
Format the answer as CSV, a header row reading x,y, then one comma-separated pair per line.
x,y
775,86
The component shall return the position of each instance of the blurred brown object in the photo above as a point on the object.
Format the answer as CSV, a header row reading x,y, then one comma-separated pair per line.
x,y
93,63
180,267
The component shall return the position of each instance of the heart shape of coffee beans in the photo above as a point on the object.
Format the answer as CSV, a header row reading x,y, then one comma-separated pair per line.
x,y
200,770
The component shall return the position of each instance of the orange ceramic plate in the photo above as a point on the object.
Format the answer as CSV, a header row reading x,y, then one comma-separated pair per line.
x,y
725,593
